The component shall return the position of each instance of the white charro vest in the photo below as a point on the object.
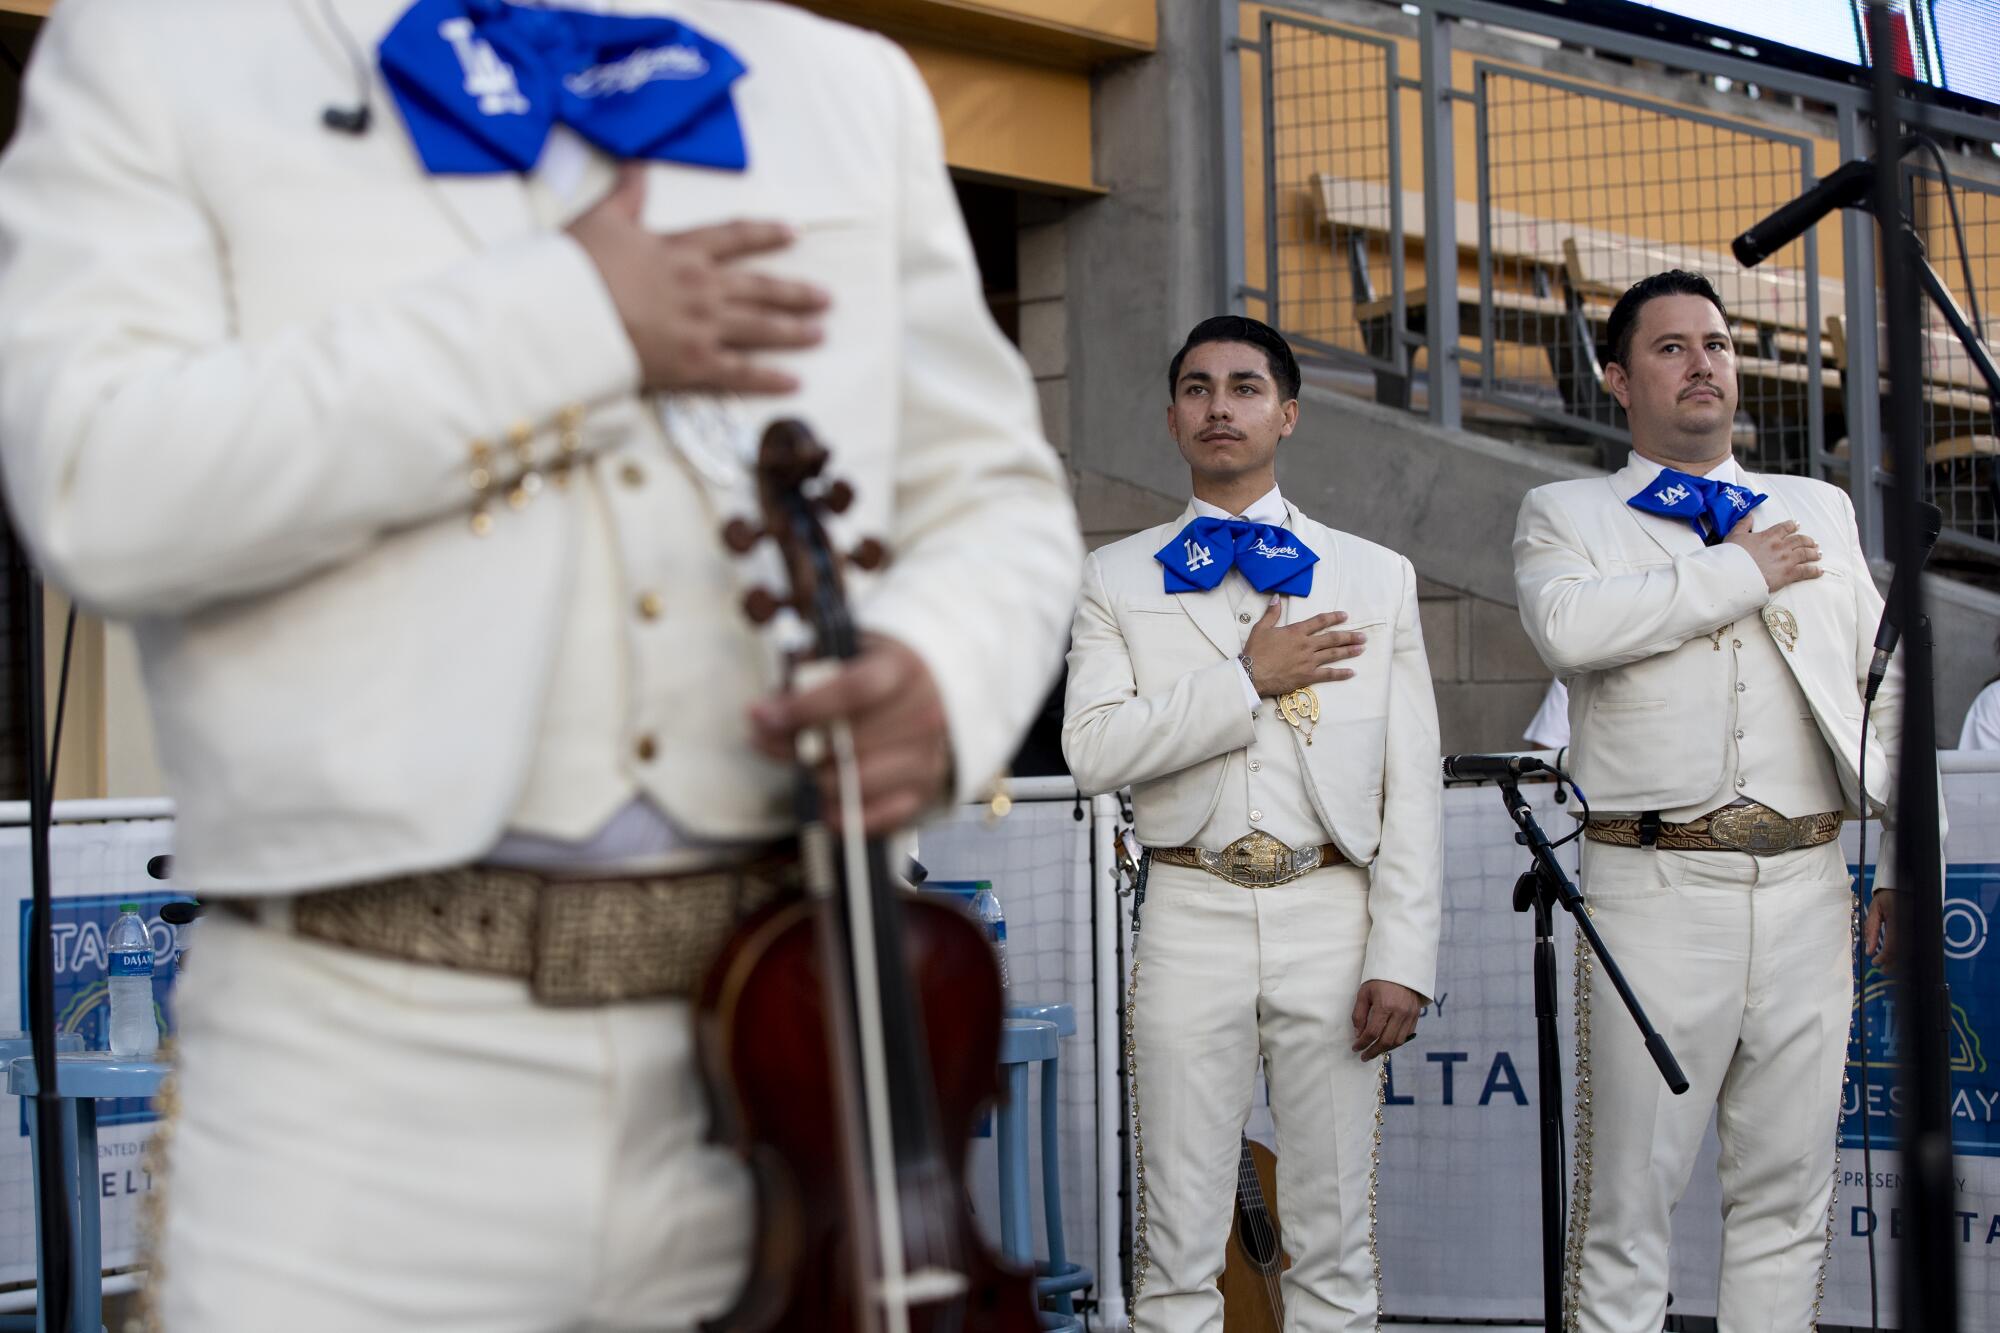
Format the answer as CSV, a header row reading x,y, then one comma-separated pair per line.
x,y
600,782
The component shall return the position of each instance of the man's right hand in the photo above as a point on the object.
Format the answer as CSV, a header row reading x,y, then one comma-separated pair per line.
x,y
695,316
1784,555
1284,658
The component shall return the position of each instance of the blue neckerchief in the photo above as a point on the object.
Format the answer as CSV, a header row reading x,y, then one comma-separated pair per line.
x,y
1695,499
480,84
1269,556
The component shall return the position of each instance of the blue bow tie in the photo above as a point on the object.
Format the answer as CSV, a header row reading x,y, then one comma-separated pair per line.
x,y
1269,556
480,84
1697,498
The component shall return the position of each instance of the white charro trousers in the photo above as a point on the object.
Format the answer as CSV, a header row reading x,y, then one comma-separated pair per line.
x,y
1744,964
370,1146
1222,973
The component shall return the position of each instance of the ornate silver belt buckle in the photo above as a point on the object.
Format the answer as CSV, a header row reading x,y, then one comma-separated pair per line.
x,y
1755,829
1259,861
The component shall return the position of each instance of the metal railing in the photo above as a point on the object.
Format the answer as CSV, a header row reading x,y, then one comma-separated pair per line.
x,y
1559,239
1333,178
1579,185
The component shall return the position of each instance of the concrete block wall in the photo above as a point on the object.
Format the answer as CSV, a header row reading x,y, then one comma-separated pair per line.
x,y
1042,255
1488,679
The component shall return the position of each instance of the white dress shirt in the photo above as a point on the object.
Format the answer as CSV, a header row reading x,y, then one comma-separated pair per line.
x,y
1982,721
1268,508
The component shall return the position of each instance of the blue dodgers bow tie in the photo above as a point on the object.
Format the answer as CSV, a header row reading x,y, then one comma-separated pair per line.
x,y
1695,499
1269,556
481,83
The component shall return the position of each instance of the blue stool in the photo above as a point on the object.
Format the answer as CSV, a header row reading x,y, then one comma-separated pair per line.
x,y
80,1080
13,1046
1023,1041
1058,1279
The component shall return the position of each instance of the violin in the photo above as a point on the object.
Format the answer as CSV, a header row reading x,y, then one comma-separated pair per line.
x,y
850,1037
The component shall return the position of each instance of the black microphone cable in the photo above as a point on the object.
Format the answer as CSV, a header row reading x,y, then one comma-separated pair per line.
x,y
1861,1028
354,119
53,1200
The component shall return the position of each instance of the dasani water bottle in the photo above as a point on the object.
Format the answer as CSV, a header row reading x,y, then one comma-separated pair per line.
x,y
986,906
134,1034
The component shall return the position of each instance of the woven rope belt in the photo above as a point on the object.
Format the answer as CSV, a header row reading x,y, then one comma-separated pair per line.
x,y
574,941
1756,829
1253,861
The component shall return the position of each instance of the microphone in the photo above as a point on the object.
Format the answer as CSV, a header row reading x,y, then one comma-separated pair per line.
x,y
1846,188
1491,767
179,913
1930,520
161,867
352,120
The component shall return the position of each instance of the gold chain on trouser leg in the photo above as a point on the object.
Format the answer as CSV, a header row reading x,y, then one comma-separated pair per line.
x,y
153,1207
1833,1188
1374,1180
1141,1256
1580,1151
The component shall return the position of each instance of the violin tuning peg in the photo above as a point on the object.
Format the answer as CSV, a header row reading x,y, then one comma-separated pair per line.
x,y
870,554
760,604
740,535
837,497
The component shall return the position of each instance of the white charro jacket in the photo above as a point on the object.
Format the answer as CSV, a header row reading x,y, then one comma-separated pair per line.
x,y
1156,700
244,363
1619,602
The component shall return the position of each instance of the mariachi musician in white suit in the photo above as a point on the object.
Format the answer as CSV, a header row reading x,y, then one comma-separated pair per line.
x,y
1259,680
1715,627
404,437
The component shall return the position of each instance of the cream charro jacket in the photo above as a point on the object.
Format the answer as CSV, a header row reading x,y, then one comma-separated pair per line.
x,y
244,362
1620,602
1156,700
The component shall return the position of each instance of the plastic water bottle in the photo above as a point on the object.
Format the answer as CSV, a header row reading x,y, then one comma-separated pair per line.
x,y
986,906
134,1034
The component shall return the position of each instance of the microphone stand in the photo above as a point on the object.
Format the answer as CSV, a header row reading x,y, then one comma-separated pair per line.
x,y
1542,887
1928,1294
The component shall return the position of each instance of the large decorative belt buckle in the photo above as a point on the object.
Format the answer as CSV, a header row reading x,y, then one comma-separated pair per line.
x,y
1755,829
1259,861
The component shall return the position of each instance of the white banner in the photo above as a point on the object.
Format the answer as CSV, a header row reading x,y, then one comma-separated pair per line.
x,y
92,869
1460,1194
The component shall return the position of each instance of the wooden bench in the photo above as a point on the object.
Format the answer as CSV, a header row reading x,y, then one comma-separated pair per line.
x,y
1353,212
1601,264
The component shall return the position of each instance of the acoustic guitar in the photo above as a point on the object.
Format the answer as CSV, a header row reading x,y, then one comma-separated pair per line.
x,y
1251,1299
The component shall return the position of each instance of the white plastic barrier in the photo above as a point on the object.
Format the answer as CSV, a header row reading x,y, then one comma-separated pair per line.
x,y
1460,1212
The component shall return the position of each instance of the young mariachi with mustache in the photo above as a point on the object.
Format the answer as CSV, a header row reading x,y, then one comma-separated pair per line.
x,y
1715,626
1260,681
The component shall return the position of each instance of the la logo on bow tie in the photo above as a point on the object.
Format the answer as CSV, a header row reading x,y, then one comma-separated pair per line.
x,y
487,77
1708,505
1206,549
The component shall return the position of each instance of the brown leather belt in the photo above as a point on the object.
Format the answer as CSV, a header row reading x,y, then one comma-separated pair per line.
x,y
1254,861
574,941
1756,829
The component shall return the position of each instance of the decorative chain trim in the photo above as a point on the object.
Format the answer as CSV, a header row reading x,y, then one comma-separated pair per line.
x,y
1579,1198
153,1207
1374,1179
1833,1189
1141,1256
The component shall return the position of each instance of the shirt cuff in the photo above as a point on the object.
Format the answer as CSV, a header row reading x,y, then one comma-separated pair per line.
x,y
1250,694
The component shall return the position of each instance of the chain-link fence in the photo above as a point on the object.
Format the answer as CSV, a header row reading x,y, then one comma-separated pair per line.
x,y
1332,198
1961,451
1582,192
1568,189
